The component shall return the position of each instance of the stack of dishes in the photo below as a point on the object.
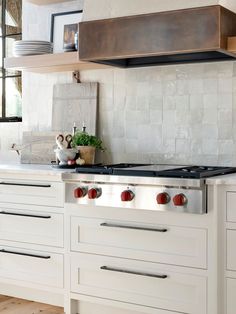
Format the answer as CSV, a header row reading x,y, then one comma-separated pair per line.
x,y
31,47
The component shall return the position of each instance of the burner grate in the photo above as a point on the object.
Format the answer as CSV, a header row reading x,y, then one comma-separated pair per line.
x,y
105,169
145,170
196,172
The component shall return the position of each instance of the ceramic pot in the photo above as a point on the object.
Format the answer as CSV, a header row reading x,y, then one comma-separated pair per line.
x,y
87,153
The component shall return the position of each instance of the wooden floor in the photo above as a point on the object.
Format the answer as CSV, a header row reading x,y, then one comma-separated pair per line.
x,y
10,305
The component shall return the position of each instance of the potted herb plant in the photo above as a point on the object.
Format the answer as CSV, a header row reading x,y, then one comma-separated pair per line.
x,y
87,145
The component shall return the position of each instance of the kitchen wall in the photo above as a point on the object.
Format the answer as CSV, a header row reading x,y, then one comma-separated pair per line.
x,y
182,114
113,8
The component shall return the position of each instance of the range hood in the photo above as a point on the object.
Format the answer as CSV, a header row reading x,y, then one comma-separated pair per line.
x,y
172,37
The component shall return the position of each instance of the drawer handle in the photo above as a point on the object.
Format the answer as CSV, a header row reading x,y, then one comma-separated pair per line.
x,y
133,227
119,270
25,254
25,215
26,184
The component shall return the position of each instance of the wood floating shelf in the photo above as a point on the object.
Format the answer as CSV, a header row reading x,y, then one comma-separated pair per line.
x,y
232,44
58,62
46,2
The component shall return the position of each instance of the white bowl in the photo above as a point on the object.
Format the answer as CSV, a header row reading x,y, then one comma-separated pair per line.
x,y
63,155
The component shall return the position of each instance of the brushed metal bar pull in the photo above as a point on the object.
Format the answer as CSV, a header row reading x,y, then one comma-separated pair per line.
x,y
25,215
26,184
25,254
109,225
119,270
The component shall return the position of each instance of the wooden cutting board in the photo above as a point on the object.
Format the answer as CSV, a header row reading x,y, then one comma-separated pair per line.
x,y
75,103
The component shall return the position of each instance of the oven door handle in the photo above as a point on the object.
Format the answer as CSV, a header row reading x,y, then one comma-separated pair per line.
x,y
110,225
25,254
24,215
138,273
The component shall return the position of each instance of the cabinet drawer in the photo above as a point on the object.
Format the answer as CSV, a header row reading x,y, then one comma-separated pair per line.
x,y
231,295
155,243
136,282
32,192
231,206
85,307
231,252
41,268
31,227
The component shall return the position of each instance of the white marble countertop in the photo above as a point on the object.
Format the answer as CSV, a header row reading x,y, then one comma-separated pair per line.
x,y
49,171
32,169
227,179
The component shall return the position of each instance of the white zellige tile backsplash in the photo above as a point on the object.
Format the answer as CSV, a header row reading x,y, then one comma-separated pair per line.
x,y
178,114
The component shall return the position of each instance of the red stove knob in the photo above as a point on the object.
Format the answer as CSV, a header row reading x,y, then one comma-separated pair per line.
x,y
127,196
94,193
179,200
80,192
163,198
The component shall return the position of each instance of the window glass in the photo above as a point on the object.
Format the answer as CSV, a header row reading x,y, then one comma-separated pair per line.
x,y
13,14
13,97
1,60
1,18
9,44
1,97
8,53
10,80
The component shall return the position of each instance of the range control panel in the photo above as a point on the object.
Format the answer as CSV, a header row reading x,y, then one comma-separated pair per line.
x,y
138,197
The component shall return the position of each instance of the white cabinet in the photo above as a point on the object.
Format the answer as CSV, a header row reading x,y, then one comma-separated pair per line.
x,y
226,208
32,192
31,226
148,242
91,307
147,284
153,262
38,267
32,238
231,295
231,206
231,250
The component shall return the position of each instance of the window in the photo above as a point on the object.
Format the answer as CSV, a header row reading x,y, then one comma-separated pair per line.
x,y
10,81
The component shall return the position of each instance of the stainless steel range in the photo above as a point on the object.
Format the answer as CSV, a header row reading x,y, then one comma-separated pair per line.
x,y
147,187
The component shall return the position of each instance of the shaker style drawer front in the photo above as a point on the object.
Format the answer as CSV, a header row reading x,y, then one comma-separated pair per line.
x,y
154,243
231,252
35,227
41,268
32,192
231,295
231,206
85,307
140,283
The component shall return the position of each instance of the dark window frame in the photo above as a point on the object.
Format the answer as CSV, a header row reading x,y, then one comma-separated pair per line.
x,y
3,38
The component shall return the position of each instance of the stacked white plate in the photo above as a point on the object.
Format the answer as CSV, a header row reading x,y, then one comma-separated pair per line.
x,y
31,47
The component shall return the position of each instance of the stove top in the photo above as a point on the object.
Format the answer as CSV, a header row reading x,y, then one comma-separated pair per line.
x,y
106,169
147,170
